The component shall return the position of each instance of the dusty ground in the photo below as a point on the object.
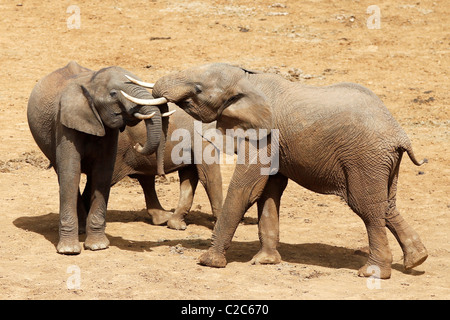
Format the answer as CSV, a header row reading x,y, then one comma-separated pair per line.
x,y
406,62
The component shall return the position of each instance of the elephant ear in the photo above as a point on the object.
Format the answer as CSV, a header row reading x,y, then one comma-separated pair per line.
x,y
249,109
78,111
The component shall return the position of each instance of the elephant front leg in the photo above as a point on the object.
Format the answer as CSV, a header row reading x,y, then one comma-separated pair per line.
x,y
96,221
68,169
268,221
100,177
211,178
245,188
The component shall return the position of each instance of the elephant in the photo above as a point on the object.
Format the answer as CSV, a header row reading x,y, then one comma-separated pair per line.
x,y
337,139
75,115
143,168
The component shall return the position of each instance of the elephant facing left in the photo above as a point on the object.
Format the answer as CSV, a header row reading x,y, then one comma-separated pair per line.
x,y
75,115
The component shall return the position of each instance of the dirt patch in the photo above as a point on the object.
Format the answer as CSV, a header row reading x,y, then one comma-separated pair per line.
x,y
405,62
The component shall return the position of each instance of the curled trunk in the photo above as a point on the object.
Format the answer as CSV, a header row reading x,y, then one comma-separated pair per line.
x,y
154,130
156,127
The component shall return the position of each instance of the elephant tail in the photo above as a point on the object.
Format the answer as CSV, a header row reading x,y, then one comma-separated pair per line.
x,y
406,146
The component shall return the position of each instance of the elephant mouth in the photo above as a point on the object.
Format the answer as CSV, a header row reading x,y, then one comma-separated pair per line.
x,y
125,119
187,106
194,111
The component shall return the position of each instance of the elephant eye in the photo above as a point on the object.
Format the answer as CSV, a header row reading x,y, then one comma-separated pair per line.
x,y
113,93
198,89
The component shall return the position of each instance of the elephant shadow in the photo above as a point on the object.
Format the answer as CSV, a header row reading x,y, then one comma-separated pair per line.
x,y
318,254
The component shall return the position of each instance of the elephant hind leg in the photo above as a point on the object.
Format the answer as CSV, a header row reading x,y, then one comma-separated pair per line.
x,y
414,252
188,184
154,208
369,199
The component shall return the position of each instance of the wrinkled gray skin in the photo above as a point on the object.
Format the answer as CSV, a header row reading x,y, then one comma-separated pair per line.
x,y
75,115
143,168
337,139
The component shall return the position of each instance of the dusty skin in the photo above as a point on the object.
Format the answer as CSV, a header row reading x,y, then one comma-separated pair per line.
x,y
406,62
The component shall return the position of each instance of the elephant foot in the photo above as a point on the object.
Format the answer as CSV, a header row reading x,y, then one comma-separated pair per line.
x,y
267,257
177,223
212,258
371,270
414,255
159,217
96,242
68,246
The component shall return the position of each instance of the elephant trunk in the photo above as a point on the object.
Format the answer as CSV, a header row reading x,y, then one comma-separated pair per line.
x,y
154,129
155,114
174,87
162,144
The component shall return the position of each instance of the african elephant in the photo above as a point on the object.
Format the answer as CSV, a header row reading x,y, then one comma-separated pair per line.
x,y
338,139
75,115
143,168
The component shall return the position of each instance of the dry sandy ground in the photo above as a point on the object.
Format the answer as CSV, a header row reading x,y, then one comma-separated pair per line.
x,y
406,62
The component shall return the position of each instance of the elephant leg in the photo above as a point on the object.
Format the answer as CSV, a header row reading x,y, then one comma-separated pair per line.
x,y
188,184
69,171
101,176
96,219
268,220
246,185
368,197
154,208
414,252
211,178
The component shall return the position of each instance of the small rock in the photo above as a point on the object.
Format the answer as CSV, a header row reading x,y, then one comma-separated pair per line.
x,y
278,5
277,13
177,249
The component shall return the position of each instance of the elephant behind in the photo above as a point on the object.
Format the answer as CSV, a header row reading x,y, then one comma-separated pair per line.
x,y
144,169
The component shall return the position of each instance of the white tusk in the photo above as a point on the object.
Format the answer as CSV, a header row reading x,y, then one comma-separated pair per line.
x,y
138,147
145,102
141,83
141,116
168,114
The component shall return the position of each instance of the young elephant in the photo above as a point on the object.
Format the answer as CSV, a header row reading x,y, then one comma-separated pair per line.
x,y
133,164
75,115
337,139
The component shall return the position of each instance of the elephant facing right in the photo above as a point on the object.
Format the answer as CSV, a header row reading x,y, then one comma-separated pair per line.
x,y
338,139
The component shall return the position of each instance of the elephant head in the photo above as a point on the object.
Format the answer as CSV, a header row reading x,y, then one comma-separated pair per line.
x,y
108,98
219,92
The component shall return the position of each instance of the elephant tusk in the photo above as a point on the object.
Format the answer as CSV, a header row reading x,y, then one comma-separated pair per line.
x,y
141,116
141,83
168,114
145,102
138,147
